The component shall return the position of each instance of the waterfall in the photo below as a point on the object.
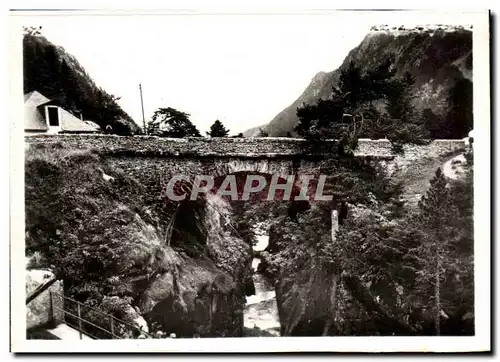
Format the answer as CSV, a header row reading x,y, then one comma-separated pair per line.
x,y
261,309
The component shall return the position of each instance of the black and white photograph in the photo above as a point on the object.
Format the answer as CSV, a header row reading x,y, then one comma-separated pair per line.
x,y
201,181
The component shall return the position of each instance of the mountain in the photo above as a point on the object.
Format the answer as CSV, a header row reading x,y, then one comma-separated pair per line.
x,y
50,70
439,57
253,132
285,122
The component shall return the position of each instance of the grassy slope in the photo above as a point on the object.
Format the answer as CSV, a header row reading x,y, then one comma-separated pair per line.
x,y
91,229
416,177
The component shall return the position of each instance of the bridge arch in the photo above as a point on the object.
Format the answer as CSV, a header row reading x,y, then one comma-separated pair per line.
x,y
263,166
188,222
153,160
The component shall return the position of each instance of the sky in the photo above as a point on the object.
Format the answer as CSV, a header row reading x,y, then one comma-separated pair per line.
x,y
240,69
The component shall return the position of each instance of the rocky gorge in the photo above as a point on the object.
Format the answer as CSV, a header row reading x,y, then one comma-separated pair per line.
x,y
106,240
261,311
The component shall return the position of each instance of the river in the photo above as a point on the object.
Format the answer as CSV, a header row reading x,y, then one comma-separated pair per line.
x,y
261,310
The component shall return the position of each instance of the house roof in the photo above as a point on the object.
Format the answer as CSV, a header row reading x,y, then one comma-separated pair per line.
x,y
71,123
35,99
34,120
34,116
93,125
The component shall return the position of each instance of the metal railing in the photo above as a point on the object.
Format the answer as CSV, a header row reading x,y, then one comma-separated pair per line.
x,y
92,330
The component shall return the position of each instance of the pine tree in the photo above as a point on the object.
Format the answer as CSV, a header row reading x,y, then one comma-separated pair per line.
x,y
352,83
379,81
435,124
217,129
263,133
54,87
173,123
460,114
435,208
434,203
69,95
400,97
353,96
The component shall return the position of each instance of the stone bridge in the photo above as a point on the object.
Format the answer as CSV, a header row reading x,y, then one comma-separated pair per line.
x,y
153,160
139,154
150,159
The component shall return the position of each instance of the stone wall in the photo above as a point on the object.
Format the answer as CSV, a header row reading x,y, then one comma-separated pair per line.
x,y
153,160
157,146
40,311
158,168
267,147
382,148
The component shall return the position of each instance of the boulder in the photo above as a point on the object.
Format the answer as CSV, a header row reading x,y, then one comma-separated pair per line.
x,y
45,308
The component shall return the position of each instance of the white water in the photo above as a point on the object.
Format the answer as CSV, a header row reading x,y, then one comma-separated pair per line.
x,y
262,241
261,310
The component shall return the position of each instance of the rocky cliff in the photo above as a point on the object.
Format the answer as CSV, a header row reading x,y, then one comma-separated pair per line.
x,y
439,57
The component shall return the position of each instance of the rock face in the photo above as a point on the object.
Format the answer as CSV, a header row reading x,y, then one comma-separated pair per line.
x,y
40,311
438,57
201,299
203,296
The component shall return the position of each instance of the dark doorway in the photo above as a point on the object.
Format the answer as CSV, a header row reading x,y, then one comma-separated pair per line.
x,y
53,114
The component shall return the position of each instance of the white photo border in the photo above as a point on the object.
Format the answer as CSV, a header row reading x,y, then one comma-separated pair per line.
x,y
482,197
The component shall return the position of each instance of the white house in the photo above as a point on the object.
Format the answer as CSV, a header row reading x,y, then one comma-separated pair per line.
x,y
42,115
